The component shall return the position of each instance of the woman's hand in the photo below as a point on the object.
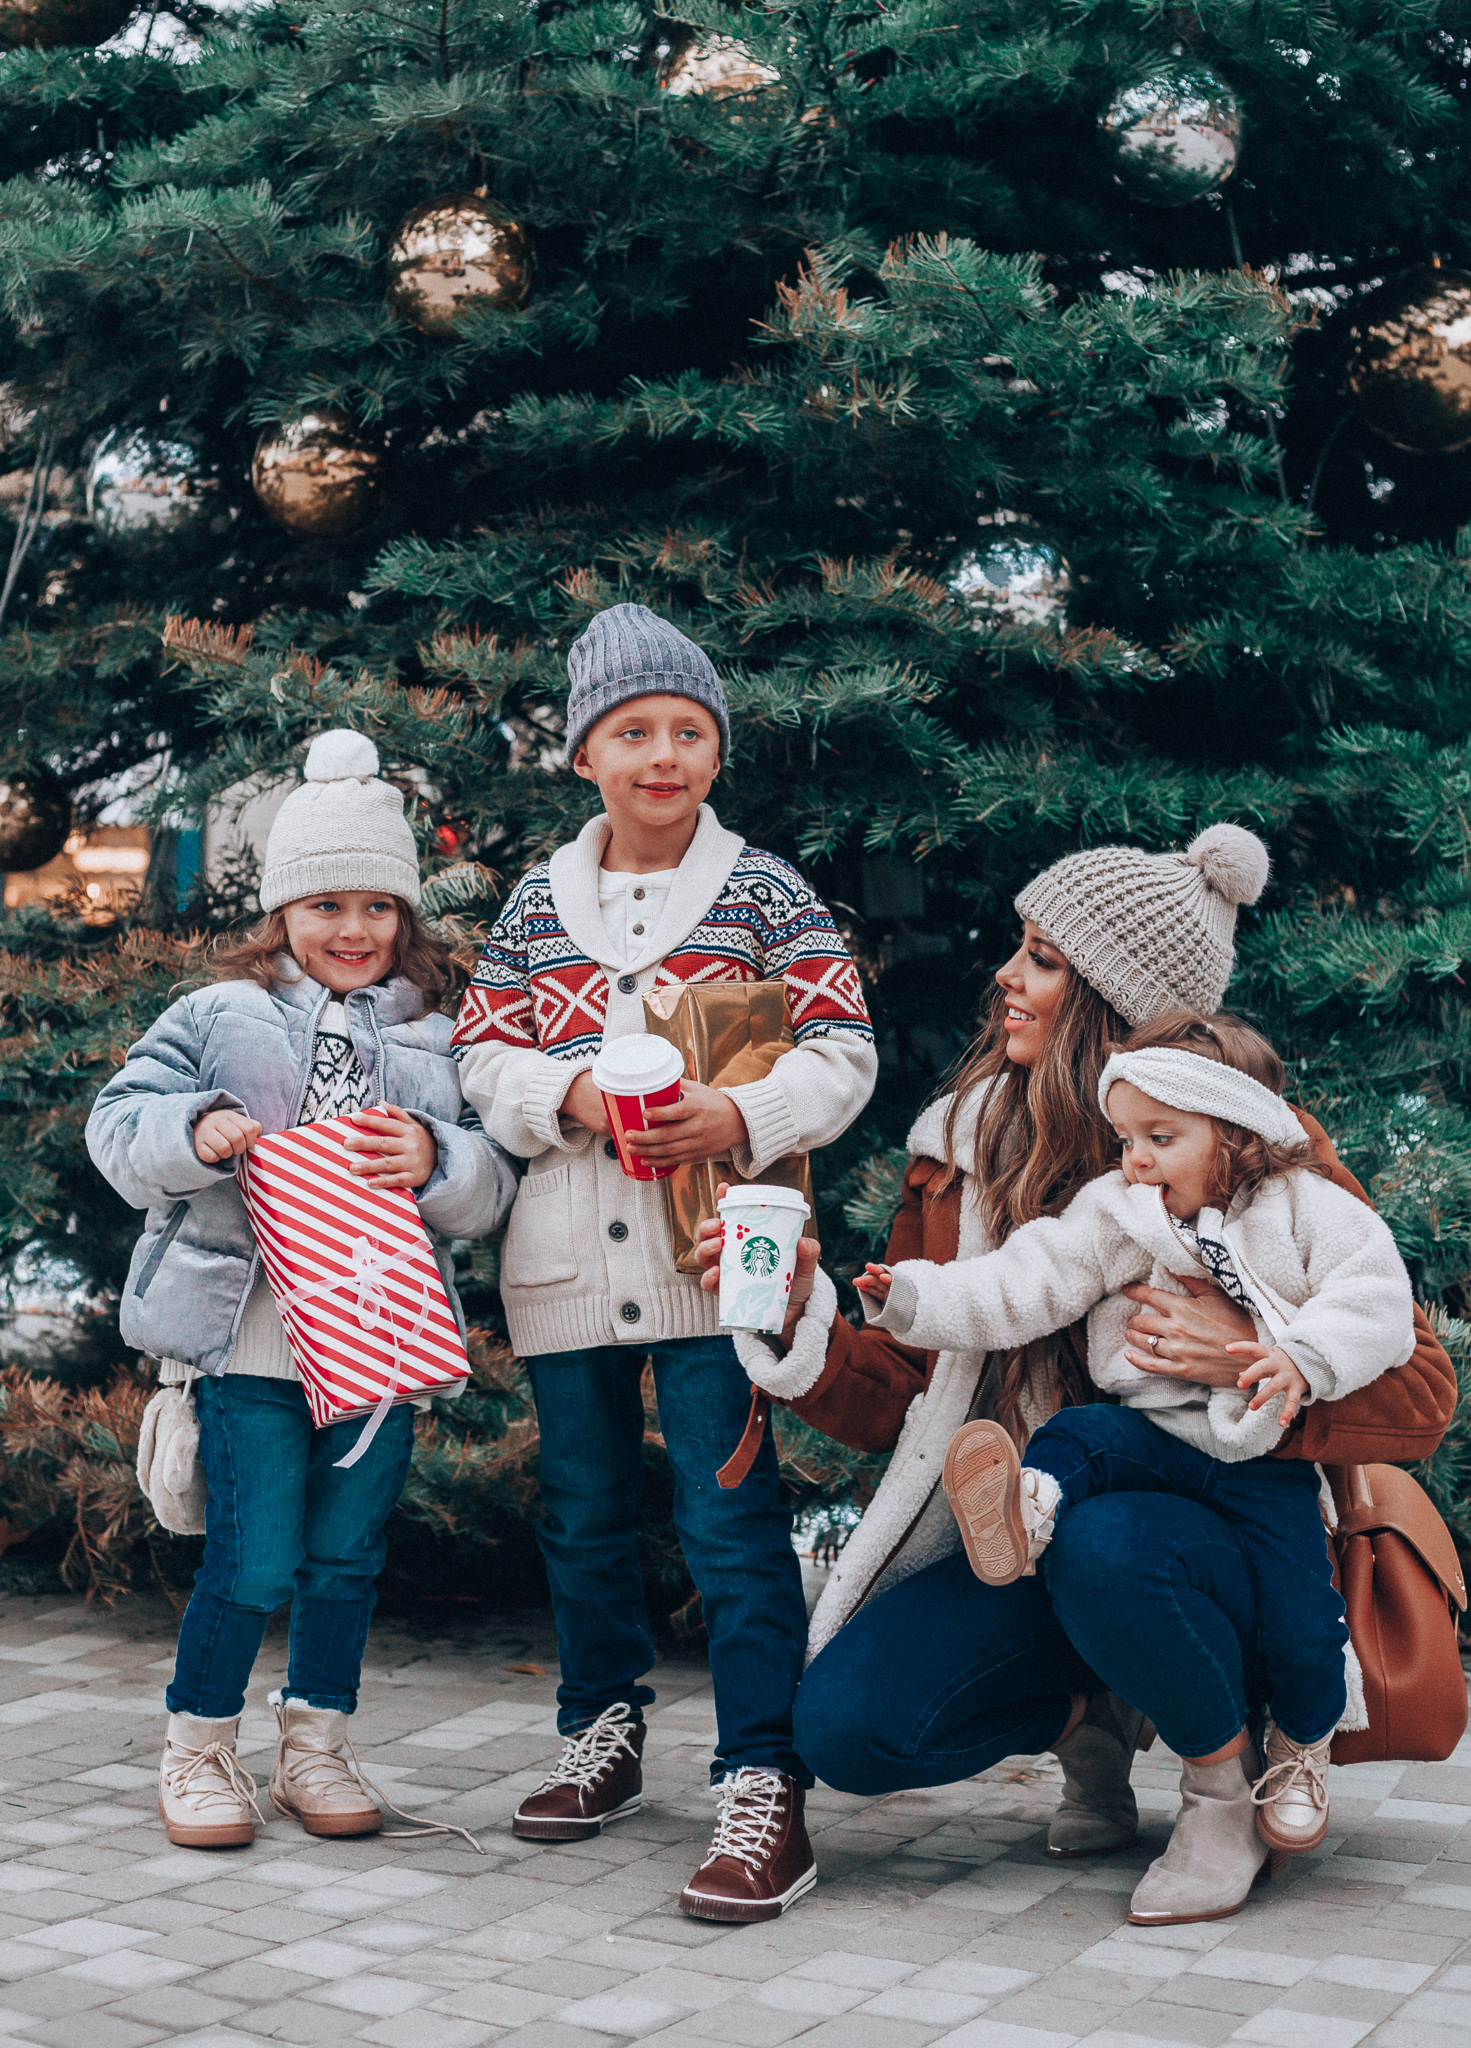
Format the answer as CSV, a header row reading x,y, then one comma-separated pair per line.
x,y
1193,1333
224,1134
402,1154
703,1124
585,1105
1272,1372
708,1237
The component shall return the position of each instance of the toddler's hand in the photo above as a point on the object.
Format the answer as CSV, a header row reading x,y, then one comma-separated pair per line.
x,y
875,1281
1272,1372
403,1153
224,1134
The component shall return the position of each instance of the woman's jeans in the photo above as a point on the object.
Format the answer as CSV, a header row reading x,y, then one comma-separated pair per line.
x,y
284,1524
737,1541
1271,1505
943,1676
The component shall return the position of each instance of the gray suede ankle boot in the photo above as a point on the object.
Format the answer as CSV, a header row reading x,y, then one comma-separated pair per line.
x,y
1098,1811
1215,1853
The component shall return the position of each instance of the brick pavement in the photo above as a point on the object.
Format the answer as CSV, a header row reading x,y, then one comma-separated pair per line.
x,y
937,1918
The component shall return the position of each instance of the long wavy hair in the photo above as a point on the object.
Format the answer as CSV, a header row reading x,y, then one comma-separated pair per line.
x,y
417,956
1039,1137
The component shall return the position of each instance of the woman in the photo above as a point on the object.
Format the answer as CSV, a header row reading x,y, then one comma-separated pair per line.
x,y
942,1676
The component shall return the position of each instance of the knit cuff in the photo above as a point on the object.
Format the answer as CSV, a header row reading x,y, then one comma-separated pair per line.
x,y
1315,1369
788,1377
544,1093
897,1313
771,1129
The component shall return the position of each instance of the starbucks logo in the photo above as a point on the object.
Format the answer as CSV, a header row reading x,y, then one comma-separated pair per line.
x,y
760,1257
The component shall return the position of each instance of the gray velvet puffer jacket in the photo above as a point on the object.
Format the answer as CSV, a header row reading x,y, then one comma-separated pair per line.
x,y
239,1046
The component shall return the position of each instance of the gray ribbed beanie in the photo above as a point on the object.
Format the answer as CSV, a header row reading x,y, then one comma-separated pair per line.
x,y
629,651
1152,932
340,829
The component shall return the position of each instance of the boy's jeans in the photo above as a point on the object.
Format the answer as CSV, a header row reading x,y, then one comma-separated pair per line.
x,y
283,1524
1271,1505
737,1541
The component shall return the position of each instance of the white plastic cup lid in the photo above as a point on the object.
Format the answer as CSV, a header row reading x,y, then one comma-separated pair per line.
x,y
763,1195
637,1065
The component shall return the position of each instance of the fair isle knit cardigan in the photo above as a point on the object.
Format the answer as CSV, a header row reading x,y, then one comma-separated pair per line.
x,y
588,1257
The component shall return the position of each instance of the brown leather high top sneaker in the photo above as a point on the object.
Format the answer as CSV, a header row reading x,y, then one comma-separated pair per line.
x,y
760,1859
597,1778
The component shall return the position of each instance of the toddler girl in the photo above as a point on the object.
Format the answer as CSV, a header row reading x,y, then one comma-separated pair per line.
x,y
1216,1182
333,1007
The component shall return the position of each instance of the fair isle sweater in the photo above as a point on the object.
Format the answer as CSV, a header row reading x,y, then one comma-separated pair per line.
x,y
588,1257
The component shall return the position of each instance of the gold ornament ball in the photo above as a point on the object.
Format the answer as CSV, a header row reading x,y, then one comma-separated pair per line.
x,y
1410,369
453,255
717,67
35,818
60,24
318,475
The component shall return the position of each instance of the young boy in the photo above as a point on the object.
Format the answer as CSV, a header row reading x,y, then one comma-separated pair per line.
x,y
654,892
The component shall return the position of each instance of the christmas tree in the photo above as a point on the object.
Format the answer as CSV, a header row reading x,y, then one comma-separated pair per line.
x,y
1050,419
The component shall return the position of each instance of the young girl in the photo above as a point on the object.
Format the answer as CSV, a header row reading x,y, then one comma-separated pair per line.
x,y
333,1007
1215,1181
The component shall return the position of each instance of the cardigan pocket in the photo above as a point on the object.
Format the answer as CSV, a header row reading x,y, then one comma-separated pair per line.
x,y
540,1248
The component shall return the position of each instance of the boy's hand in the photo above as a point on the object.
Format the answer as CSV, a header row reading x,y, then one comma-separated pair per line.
x,y
1273,1372
584,1104
703,1124
875,1282
707,1250
401,1153
224,1134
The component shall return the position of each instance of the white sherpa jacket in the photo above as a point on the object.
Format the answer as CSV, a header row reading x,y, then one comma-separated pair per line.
x,y
1326,1283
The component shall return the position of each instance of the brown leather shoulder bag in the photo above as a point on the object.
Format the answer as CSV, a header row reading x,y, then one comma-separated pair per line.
x,y
1402,1586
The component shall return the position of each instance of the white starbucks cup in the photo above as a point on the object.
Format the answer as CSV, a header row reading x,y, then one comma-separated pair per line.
x,y
634,1075
759,1229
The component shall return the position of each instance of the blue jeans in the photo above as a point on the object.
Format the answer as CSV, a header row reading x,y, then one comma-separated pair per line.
x,y
942,1676
1272,1506
283,1524
737,1542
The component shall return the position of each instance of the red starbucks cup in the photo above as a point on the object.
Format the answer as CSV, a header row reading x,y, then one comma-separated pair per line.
x,y
634,1075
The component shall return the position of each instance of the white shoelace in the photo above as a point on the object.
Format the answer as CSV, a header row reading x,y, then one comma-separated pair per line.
x,y
749,1820
587,1755
1302,1772
199,1765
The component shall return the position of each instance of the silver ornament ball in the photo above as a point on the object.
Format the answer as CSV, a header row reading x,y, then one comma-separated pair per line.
x,y
1174,138
1026,581
148,490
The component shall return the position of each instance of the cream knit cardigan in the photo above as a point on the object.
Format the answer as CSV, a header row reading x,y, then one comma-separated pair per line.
x,y
908,1524
588,1257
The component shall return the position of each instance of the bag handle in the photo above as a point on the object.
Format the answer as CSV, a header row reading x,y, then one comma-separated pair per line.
x,y
1370,1498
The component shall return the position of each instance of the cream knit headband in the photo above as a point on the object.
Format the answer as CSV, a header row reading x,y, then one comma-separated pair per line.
x,y
1190,1081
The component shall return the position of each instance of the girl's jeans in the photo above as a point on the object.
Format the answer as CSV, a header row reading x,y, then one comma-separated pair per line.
x,y
942,1676
1271,1504
283,1524
737,1541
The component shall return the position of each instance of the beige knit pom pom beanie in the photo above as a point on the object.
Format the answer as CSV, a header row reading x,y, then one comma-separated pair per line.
x,y
342,829
1152,932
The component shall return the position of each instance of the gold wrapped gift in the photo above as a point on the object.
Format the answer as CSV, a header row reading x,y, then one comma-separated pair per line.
x,y
729,1032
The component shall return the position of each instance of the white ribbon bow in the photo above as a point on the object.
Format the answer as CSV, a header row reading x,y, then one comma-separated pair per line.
x,y
371,1266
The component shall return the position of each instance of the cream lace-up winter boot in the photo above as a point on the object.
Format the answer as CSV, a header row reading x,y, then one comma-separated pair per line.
x,y
318,1780
205,1800
1292,1793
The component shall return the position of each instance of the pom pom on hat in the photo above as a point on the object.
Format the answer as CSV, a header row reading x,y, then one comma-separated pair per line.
x,y
1232,861
342,756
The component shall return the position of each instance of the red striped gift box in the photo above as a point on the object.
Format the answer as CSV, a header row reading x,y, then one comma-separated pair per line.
x,y
354,1277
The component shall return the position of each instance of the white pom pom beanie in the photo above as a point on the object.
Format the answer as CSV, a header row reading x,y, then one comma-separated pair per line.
x,y
343,829
1152,932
